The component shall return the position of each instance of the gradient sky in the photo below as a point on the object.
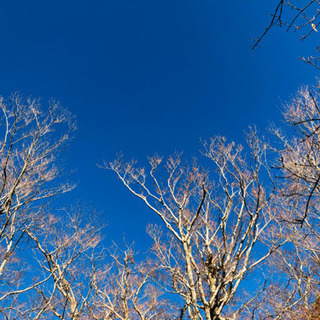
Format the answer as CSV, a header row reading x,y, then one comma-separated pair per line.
x,y
145,77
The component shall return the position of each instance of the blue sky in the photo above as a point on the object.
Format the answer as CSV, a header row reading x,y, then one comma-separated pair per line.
x,y
145,77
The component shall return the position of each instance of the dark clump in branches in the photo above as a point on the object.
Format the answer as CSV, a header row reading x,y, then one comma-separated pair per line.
x,y
225,219
213,220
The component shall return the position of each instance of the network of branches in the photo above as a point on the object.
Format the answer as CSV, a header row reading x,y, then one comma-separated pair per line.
x,y
238,214
239,227
298,16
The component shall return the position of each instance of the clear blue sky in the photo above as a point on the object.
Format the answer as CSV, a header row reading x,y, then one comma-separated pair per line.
x,y
145,77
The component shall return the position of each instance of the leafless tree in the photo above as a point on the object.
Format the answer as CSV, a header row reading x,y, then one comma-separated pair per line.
x,y
68,255
214,219
293,275
294,15
220,225
31,140
299,16
129,291
52,262
297,264
299,155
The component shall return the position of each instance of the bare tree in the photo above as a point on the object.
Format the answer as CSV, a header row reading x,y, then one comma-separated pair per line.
x,y
52,262
297,264
299,156
294,15
293,275
69,254
129,292
214,220
31,141
298,16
